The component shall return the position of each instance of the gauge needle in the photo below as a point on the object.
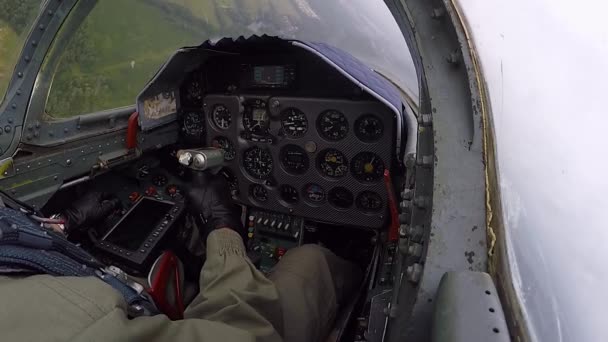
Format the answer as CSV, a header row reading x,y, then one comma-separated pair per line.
x,y
369,167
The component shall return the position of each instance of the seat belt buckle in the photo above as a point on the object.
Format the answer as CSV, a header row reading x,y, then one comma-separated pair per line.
x,y
123,277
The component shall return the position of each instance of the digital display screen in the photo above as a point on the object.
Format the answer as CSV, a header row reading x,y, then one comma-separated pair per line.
x,y
137,225
269,75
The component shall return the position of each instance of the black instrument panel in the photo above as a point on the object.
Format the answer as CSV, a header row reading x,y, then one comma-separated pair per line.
x,y
318,158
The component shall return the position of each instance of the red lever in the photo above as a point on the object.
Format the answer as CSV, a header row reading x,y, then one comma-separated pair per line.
x,y
132,131
393,233
166,267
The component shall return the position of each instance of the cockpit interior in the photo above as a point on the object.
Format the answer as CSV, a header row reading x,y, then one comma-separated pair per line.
x,y
310,140
315,145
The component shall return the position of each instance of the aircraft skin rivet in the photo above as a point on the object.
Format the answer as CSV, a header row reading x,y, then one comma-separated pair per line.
x,y
14,105
7,129
437,13
10,120
34,43
19,74
27,58
68,162
65,130
453,58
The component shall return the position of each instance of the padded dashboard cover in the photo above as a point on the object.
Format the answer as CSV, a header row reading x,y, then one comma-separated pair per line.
x,y
344,62
353,69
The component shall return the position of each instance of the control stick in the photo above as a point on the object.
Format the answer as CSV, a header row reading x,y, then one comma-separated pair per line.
x,y
202,159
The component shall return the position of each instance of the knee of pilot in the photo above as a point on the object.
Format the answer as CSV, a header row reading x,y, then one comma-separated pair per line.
x,y
310,252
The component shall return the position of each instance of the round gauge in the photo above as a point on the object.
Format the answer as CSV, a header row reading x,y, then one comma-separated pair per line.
x,y
194,93
294,159
257,162
143,171
369,128
332,125
332,163
226,145
233,184
193,124
314,193
367,167
160,180
294,122
340,197
369,201
255,117
289,194
258,193
221,116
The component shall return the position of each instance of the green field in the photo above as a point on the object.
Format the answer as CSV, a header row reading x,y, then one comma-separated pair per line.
x,y
122,43
8,54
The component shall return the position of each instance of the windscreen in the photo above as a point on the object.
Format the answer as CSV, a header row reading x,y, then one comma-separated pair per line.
x,y
112,54
16,18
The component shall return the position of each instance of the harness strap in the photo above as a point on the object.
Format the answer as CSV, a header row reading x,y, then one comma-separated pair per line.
x,y
28,248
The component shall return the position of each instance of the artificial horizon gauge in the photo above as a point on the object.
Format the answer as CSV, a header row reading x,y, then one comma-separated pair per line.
x,y
294,122
221,116
314,193
367,167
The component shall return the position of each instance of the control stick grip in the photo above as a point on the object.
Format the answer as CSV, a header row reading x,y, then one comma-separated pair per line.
x,y
201,159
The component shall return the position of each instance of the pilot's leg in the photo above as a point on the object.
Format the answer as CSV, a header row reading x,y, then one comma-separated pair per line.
x,y
312,283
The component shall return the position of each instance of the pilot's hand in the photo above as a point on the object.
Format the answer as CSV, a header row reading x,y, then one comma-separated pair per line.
x,y
90,209
210,197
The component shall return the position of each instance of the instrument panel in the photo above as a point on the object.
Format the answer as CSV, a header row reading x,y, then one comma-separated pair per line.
x,y
318,158
311,144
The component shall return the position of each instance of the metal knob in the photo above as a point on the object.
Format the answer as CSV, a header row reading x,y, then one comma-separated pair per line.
x,y
185,158
200,161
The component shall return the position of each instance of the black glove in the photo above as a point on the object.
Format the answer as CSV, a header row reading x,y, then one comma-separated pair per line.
x,y
210,197
90,209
